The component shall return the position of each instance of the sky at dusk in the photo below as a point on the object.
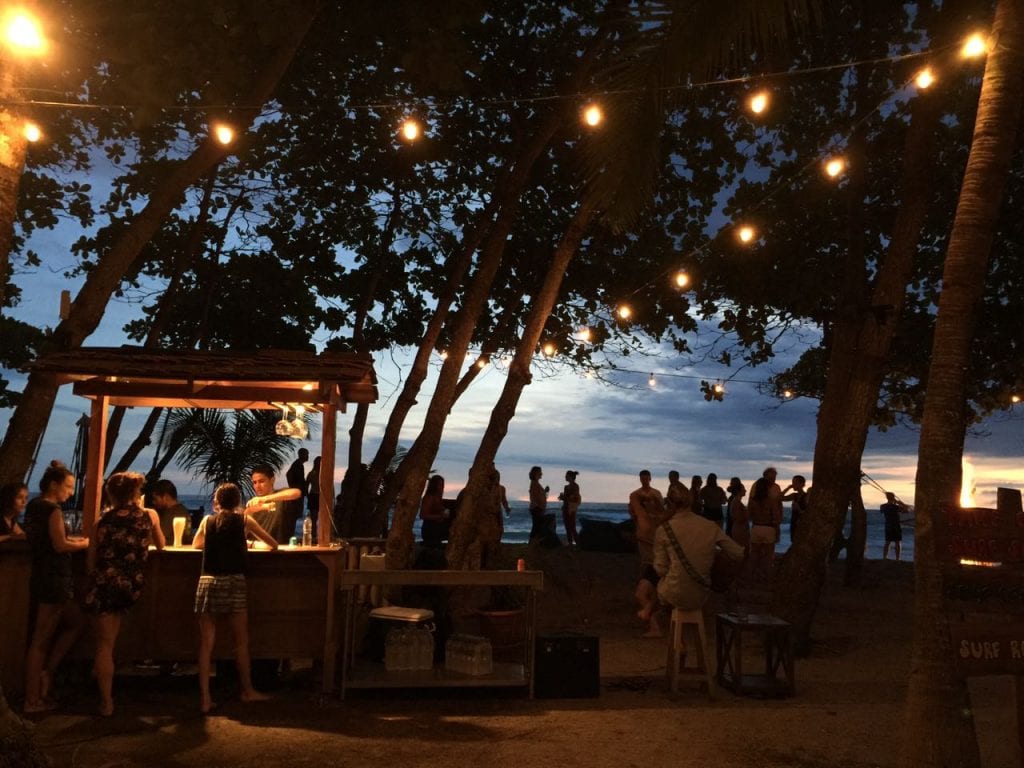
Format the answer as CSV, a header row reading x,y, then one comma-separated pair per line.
x,y
565,421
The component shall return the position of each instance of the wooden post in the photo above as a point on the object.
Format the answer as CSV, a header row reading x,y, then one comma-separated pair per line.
x,y
94,464
326,479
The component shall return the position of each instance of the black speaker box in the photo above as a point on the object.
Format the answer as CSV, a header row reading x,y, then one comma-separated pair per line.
x,y
567,666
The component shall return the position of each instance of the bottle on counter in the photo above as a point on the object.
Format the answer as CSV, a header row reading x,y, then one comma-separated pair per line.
x,y
307,531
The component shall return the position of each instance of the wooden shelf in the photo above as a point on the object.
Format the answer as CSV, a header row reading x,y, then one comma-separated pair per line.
x,y
366,674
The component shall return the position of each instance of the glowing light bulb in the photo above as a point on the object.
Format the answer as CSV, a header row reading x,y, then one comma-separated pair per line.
x,y
410,130
651,381
682,279
223,133
32,132
624,312
584,334
592,115
444,354
481,363
758,103
548,349
974,46
23,33
834,166
924,78
787,393
307,387
746,234
718,389
1015,399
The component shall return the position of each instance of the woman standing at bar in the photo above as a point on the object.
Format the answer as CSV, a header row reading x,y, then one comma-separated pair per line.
x,y
222,588
50,585
117,561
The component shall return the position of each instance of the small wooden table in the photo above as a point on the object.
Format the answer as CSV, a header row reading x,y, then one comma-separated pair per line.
x,y
778,652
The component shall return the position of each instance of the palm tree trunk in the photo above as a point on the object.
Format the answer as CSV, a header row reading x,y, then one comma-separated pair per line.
x,y
87,310
939,727
859,349
471,509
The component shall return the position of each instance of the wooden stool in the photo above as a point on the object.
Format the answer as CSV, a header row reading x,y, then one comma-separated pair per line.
x,y
697,649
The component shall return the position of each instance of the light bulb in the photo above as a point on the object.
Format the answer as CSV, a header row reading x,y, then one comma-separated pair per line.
x,y
758,103
548,349
834,166
974,46
481,363
787,393
23,33
651,381
746,234
718,389
32,132
1015,399
624,312
583,334
592,115
410,130
924,78
223,133
682,279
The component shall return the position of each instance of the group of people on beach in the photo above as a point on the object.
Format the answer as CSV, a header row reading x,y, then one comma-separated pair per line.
x,y
117,552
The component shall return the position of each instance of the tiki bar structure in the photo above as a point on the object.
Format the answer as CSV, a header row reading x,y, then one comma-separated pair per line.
x,y
293,591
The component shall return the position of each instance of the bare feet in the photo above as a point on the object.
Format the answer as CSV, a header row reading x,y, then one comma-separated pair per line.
x,y
38,707
106,709
206,707
254,695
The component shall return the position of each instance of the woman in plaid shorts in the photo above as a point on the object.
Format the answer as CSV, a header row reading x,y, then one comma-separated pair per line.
x,y
222,590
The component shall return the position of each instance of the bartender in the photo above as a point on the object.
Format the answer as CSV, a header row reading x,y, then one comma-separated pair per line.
x,y
269,507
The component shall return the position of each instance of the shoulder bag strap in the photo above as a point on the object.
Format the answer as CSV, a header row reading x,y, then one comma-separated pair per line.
x,y
690,570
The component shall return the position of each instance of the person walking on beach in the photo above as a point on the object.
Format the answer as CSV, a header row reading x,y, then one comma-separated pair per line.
x,y
571,500
765,510
739,520
893,510
222,590
677,495
538,504
695,499
713,500
798,503
647,508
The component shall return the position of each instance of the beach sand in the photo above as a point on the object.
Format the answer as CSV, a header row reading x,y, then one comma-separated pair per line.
x,y
847,710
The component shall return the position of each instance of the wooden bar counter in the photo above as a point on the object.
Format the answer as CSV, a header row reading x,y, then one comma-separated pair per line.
x,y
292,609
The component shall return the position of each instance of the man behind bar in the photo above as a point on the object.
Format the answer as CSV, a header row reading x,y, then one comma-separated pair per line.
x,y
270,508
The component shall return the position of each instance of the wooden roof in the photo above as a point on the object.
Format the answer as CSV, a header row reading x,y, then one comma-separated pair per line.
x,y
222,379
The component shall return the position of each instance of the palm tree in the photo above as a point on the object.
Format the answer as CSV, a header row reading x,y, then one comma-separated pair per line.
x,y
223,447
938,733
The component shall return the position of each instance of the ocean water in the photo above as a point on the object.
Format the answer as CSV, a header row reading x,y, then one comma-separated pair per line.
x,y
517,527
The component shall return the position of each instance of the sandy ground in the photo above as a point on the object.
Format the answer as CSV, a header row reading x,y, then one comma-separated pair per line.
x,y
846,711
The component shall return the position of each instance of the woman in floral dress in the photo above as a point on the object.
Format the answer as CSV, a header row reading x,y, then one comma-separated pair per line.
x,y
117,562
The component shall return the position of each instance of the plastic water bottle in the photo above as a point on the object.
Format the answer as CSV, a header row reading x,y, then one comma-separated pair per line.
x,y
307,531
424,648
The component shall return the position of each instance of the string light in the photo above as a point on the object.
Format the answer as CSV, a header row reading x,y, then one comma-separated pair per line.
x,y
682,279
584,334
719,388
410,130
481,363
787,393
548,349
651,381
23,34
758,103
746,234
32,132
974,46
223,133
444,354
624,312
592,115
834,166
924,78
1015,399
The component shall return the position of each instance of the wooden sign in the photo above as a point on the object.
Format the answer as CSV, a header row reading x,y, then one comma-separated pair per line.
x,y
980,537
995,649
